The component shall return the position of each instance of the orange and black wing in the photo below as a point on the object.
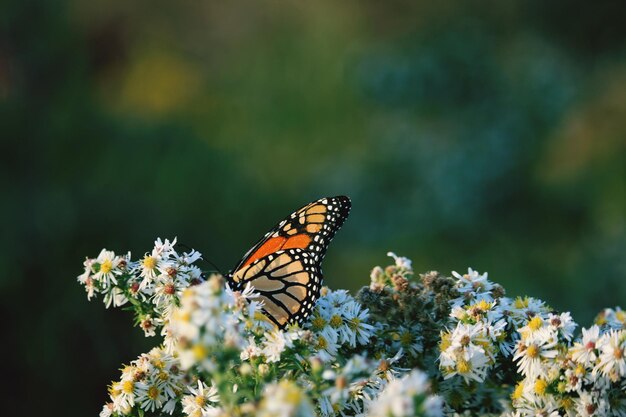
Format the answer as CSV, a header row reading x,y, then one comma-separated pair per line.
x,y
284,266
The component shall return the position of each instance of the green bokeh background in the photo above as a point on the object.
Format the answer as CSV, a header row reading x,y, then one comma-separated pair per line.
x,y
486,134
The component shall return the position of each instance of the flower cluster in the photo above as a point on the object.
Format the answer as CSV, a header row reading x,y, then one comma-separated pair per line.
x,y
493,341
223,335
152,381
406,396
586,378
405,345
153,285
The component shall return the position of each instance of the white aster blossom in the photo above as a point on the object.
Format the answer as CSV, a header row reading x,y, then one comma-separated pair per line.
x,y
356,355
612,360
532,352
406,397
201,401
584,352
401,261
285,399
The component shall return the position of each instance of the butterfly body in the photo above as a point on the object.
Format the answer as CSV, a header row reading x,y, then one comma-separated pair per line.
x,y
284,266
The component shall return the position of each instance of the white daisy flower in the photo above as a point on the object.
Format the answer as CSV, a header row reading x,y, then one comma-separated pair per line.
x,y
167,292
285,399
584,352
251,350
530,353
590,405
406,397
187,258
156,263
401,261
355,328
612,360
538,406
106,264
387,370
107,410
563,323
201,401
473,286
332,302
410,339
239,299
88,264
520,309
149,324
275,344
123,394
469,362
574,378
164,248
90,287
533,325
115,297
150,396
326,344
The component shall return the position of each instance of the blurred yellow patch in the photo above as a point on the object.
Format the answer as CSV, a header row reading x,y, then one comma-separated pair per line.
x,y
591,133
154,84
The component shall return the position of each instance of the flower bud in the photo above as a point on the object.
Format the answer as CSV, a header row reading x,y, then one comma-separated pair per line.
x,y
263,369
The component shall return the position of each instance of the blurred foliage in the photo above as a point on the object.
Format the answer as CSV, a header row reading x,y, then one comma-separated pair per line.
x,y
486,134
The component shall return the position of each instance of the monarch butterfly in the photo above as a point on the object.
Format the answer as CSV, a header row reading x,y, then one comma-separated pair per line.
x,y
284,266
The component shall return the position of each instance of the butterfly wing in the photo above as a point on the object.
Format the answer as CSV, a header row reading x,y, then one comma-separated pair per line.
x,y
288,281
284,266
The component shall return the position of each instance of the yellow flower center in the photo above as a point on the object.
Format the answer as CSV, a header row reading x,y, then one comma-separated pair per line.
x,y
127,387
318,323
322,343
518,392
463,366
292,393
163,376
618,353
520,302
199,352
483,305
445,341
336,321
406,338
182,315
540,386
153,392
106,266
567,403
149,262
200,400
535,323
354,323
532,351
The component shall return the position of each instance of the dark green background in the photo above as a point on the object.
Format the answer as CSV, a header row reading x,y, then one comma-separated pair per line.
x,y
486,134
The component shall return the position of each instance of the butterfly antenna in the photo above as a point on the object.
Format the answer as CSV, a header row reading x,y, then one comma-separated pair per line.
x,y
214,266
202,258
